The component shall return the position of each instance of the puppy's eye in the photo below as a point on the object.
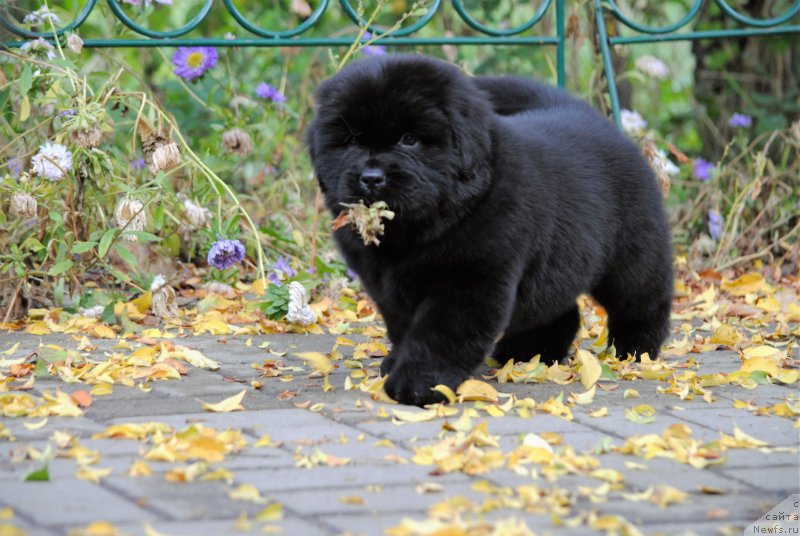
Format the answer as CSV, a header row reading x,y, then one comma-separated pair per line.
x,y
351,140
409,140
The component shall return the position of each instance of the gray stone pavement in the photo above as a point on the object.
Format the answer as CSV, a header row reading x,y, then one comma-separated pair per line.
x,y
379,487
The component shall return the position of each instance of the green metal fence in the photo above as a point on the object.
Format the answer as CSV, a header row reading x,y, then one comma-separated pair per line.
x,y
523,34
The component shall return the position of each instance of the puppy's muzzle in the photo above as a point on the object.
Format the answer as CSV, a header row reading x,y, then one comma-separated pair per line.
x,y
372,180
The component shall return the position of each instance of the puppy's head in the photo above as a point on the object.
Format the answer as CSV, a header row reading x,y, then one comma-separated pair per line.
x,y
408,130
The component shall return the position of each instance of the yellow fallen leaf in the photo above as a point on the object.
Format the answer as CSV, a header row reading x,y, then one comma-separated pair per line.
x,y
414,415
726,335
233,403
477,390
590,367
150,531
600,412
317,360
139,468
447,392
641,414
745,440
13,349
194,357
272,512
91,474
264,441
745,284
584,398
35,425
246,492
630,393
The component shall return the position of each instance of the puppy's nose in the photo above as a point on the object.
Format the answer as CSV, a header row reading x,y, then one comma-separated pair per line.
x,y
372,180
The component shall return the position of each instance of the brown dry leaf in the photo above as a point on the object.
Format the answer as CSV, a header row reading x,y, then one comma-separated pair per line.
x,y
233,403
82,398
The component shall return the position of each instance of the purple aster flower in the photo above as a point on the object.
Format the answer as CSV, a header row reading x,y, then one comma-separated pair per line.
x,y
225,253
14,167
68,113
281,270
740,120
701,169
137,164
716,224
372,50
192,62
266,91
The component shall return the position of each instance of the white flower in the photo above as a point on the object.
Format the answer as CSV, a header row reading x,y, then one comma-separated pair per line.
x,y
91,312
661,162
130,215
158,282
652,66
299,311
52,161
41,16
632,122
39,49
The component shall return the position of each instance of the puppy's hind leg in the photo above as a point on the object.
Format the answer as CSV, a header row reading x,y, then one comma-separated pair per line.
x,y
551,341
638,316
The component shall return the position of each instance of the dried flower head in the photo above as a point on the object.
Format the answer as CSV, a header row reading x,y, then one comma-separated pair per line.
x,y
196,215
24,205
225,253
164,300
52,162
75,43
237,141
130,216
661,165
87,138
365,220
165,157
299,312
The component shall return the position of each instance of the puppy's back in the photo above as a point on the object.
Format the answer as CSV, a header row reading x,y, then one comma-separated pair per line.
x,y
510,95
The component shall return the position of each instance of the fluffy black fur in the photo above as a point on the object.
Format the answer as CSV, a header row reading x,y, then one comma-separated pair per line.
x,y
512,198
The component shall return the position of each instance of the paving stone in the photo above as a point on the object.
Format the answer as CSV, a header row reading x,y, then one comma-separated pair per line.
x,y
775,431
290,526
676,474
181,501
70,502
317,502
349,476
780,480
81,427
696,507
618,426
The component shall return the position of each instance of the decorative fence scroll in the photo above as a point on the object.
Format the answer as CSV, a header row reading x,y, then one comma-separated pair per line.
x,y
786,23
267,37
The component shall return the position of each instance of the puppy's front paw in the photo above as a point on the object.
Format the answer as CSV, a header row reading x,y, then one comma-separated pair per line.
x,y
410,385
387,364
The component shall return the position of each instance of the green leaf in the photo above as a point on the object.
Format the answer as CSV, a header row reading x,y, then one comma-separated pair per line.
x,y
39,475
60,267
24,108
82,247
105,242
144,236
607,373
108,316
25,80
125,254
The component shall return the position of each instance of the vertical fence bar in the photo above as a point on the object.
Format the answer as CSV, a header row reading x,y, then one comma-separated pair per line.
x,y
605,49
560,34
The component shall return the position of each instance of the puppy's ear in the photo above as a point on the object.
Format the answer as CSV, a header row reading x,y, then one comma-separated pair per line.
x,y
471,131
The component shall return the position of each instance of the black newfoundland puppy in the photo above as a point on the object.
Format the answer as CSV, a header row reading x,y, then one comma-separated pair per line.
x,y
511,199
